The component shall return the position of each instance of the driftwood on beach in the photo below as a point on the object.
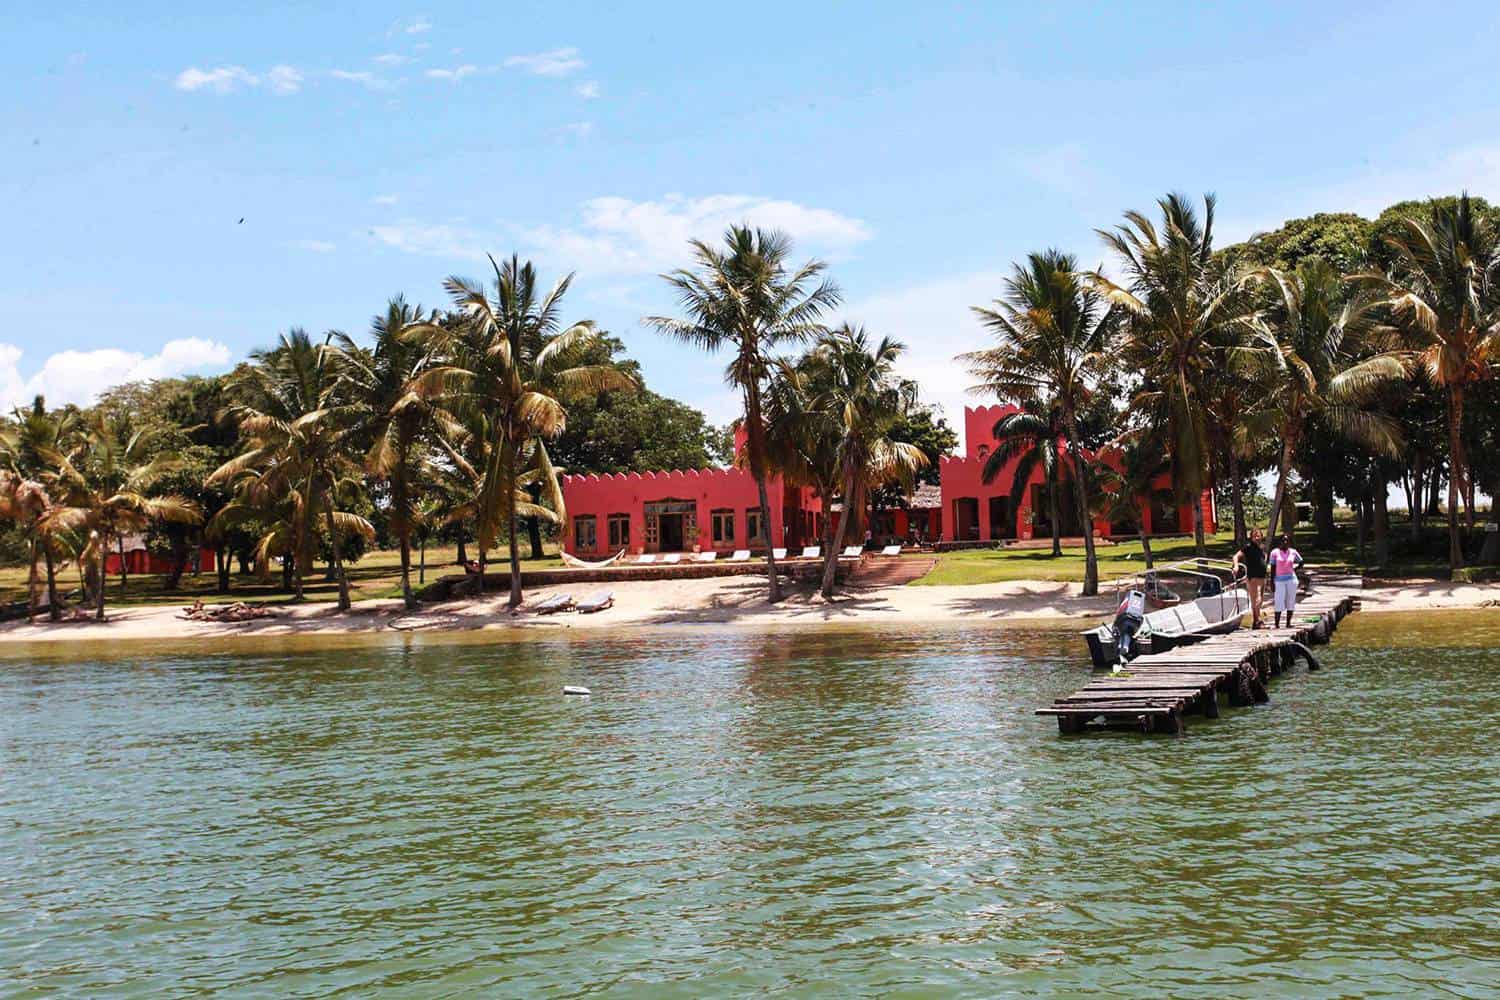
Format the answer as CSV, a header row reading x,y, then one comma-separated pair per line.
x,y
239,611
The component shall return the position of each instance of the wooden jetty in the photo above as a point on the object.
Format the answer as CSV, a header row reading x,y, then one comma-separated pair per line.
x,y
1155,691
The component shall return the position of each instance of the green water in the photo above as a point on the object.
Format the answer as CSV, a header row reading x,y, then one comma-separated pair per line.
x,y
826,813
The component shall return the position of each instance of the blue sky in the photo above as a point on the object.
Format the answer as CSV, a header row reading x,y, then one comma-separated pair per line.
x,y
376,148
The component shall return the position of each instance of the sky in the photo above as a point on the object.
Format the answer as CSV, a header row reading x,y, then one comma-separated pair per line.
x,y
182,185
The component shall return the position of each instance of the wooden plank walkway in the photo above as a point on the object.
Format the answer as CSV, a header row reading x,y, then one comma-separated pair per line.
x,y
1157,690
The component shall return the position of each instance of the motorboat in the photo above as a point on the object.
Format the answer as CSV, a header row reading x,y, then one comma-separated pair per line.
x,y
1169,606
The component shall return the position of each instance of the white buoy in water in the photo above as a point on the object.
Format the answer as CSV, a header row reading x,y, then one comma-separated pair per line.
x,y
574,689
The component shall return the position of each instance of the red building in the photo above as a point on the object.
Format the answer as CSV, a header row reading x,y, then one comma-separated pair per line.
x,y
139,559
976,511
719,509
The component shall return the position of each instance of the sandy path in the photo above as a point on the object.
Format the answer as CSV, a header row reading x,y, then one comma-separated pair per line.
x,y
723,601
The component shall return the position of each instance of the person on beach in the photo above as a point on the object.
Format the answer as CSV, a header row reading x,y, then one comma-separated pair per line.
x,y
1250,560
1284,563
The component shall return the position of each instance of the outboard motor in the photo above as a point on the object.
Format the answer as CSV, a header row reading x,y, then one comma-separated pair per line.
x,y
1128,620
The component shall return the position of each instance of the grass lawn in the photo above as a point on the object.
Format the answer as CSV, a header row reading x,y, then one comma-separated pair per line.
x,y
377,575
1425,560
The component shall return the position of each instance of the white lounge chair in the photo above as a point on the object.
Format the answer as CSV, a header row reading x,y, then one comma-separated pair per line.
x,y
812,552
553,604
891,550
597,602
672,558
645,560
779,553
740,555
853,551
707,556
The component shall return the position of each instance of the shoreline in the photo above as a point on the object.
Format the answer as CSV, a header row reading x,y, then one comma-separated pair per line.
x,y
735,602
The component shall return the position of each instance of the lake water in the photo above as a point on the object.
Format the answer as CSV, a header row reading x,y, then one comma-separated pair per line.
x,y
831,812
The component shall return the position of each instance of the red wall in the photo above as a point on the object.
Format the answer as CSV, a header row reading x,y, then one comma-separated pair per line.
x,y
710,489
142,561
962,478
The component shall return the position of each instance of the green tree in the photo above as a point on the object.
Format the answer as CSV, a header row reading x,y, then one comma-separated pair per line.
x,y
1052,331
27,446
1316,341
1446,294
856,386
389,418
1183,303
1128,480
746,298
1031,436
507,359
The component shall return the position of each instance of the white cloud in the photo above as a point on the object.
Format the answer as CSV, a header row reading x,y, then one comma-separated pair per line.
x,y
433,239
284,80
579,130
624,237
315,246
453,75
556,62
80,376
935,321
281,80
392,59
588,90
364,78
385,199
220,79
411,26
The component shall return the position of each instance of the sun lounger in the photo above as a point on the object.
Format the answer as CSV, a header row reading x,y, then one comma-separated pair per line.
x,y
598,602
740,555
553,604
891,550
645,560
672,558
812,552
707,556
853,551
779,553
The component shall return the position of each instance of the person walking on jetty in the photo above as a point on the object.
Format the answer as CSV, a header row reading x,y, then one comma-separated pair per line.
x,y
1250,559
1284,563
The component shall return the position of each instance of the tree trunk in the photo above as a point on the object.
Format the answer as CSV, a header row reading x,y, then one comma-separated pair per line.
x,y
1434,492
124,572
515,561
422,560
831,557
221,567
1080,493
99,594
1282,471
463,551
31,586
1381,525
1237,500
1455,475
1489,554
1200,543
534,536
338,561
1140,527
1054,514
1360,506
54,613
755,448
1323,513
406,594
765,534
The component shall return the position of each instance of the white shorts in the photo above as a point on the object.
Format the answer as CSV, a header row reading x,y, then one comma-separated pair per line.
x,y
1286,595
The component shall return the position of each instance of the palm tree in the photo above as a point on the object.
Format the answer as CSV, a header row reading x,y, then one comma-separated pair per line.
x,y
25,503
392,417
1313,337
1030,435
297,460
24,447
1446,292
505,358
1183,302
1127,480
103,482
747,298
1052,330
856,386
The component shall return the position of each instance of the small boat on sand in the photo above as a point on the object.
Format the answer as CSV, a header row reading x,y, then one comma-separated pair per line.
x,y
1173,605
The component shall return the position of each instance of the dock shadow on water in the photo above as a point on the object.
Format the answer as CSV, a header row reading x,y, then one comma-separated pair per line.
x,y
856,812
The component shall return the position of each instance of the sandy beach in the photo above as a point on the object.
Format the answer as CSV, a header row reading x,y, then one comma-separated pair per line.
x,y
722,602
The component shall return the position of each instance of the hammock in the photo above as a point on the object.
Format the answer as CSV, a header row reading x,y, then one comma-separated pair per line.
x,y
577,563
